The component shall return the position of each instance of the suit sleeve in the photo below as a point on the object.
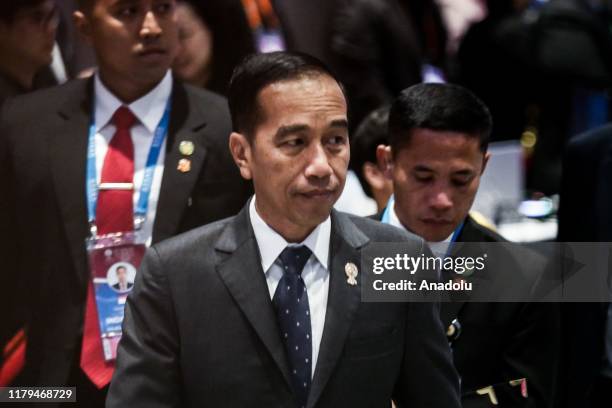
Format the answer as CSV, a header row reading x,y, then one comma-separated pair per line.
x,y
147,369
428,377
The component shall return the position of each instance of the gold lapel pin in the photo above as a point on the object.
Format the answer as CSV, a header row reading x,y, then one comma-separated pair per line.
x,y
186,147
184,165
351,273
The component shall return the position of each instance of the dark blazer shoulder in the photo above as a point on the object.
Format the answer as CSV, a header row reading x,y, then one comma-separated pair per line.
x,y
379,232
474,232
592,144
516,262
585,152
193,241
198,93
208,106
48,98
39,104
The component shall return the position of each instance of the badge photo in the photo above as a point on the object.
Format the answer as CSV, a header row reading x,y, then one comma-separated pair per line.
x,y
120,277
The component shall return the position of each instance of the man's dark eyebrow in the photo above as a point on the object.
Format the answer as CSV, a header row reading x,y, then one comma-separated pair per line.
x,y
121,3
289,129
465,172
341,123
420,167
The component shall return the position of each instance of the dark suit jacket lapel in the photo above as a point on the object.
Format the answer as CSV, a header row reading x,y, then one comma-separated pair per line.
x,y
240,269
67,144
604,195
450,310
187,123
343,299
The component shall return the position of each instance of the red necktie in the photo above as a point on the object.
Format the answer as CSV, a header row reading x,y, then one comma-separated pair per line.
x,y
114,213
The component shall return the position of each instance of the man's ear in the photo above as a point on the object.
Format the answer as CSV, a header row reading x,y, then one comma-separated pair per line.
x,y
374,177
240,148
384,157
81,22
485,160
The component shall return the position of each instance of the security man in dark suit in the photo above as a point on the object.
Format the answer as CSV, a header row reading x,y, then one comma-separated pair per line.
x,y
584,216
46,145
263,309
438,136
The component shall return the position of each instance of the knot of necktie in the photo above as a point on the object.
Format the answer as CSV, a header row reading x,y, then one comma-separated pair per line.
x,y
294,258
124,118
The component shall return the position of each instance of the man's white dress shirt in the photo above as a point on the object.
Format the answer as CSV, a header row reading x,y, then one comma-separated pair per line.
x,y
149,110
315,273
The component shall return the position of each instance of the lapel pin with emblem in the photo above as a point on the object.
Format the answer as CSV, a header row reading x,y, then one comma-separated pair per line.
x,y
351,273
184,165
186,148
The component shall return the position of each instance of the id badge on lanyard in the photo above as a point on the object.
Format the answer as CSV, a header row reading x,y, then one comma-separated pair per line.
x,y
115,258
113,262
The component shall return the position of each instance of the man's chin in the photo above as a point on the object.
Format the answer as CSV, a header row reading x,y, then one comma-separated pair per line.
x,y
313,216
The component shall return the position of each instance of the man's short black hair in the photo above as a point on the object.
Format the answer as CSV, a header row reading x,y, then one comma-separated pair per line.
x,y
10,8
442,107
260,70
371,132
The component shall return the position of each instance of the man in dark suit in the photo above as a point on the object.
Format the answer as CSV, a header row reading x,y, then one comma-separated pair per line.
x,y
438,136
44,155
27,35
260,309
27,32
584,216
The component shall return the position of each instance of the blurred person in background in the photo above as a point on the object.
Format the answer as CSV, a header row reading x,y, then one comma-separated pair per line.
x,y
585,216
517,61
27,36
458,16
492,73
371,133
382,46
214,36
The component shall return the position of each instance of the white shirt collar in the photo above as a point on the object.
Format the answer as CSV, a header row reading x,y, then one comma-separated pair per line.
x,y
148,109
437,247
271,243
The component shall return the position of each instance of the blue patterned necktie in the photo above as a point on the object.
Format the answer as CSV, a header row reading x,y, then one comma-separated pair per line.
x,y
293,314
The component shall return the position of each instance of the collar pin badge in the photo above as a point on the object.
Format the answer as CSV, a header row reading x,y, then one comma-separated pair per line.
x,y
184,165
186,148
351,273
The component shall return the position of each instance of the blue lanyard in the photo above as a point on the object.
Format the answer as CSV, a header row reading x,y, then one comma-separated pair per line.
x,y
386,219
140,212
